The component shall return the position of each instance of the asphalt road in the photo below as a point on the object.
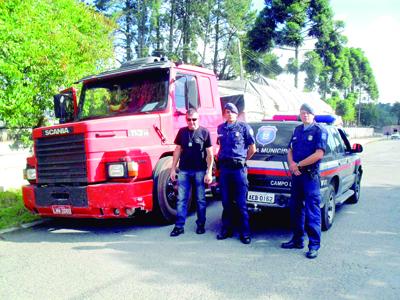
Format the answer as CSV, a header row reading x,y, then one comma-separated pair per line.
x,y
136,259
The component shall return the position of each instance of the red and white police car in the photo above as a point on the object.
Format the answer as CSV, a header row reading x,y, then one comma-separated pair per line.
x,y
270,179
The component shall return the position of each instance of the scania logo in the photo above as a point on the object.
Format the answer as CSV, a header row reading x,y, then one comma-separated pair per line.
x,y
57,131
266,135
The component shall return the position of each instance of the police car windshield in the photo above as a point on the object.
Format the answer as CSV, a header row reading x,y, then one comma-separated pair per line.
x,y
272,139
136,93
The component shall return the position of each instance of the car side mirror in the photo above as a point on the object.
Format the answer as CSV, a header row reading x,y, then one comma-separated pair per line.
x,y
357,148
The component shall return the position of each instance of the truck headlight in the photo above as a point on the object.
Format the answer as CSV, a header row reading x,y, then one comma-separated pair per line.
x,y
117,170
30,174
123,169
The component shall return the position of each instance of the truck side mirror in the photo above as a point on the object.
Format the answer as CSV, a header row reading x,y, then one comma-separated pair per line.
x,y
65,105
179,113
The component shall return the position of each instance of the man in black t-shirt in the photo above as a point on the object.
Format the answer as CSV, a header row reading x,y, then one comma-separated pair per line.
x,y
194,153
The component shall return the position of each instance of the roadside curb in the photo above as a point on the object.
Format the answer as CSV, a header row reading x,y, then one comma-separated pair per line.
x,y
22,226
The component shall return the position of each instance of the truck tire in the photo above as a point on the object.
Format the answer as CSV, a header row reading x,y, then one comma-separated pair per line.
x,y
356,187
329,209
165,192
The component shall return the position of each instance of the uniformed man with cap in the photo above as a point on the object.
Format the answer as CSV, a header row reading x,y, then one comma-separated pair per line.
x,y
306,149
237,145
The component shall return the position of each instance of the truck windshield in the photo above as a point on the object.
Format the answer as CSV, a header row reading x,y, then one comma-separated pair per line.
x,y
135,93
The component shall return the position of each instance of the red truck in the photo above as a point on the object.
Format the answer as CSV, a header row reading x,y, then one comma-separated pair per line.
x,y
111,154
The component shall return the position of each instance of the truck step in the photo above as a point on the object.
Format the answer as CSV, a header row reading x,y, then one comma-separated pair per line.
x,y
343,197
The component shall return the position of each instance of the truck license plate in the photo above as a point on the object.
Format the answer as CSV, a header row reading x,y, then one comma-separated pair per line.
x,y
62,209
261,197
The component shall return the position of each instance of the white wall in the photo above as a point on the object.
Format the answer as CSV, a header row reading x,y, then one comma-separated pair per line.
x,y
12,163
358,132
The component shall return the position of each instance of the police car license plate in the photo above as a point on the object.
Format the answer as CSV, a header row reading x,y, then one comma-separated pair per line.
x,y
61,209
261,197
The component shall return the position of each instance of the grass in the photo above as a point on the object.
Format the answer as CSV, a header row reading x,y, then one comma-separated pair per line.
x,y
12,210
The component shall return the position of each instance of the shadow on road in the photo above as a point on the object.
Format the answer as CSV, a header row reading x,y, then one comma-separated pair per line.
x,y
224,268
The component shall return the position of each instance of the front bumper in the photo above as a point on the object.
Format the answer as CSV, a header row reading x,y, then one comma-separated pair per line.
x,y
105,200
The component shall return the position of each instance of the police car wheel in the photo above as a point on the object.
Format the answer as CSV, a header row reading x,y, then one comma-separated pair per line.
x,y
329,209
356,187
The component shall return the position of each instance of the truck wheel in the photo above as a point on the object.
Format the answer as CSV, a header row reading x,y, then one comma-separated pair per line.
x,y
329,209
165,191
356,187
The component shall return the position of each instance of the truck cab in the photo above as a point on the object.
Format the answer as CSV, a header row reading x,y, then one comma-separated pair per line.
x,y
111,154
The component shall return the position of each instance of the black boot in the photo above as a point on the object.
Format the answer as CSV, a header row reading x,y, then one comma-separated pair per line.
x,y
292,245
177,231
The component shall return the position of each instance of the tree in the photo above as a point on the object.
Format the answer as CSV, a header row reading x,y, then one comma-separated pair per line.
x,y
370,114
396,111
266,64
329,48
313,67
46,45
348,72
346,108
133,32
362,77
176,29
385,117
287,23
157,22
187,12
230,20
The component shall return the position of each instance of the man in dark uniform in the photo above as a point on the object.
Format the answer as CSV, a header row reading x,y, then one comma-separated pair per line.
x,y
237,145
195,155
306,149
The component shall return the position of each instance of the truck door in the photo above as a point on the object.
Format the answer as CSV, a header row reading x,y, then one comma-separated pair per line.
x,y
210,115
197,91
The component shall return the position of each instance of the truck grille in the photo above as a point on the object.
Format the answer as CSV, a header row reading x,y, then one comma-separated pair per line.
x,y
61,159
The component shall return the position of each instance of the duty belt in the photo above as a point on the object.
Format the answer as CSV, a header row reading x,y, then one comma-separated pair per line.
x,y
309,171
232,163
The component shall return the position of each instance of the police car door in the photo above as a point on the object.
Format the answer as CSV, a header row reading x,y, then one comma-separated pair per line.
x,y
344,162
350,158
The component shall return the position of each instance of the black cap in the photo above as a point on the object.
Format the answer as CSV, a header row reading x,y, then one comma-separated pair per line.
x,y
232,107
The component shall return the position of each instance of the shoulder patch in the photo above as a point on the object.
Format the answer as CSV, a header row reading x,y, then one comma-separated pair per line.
x,y
251,131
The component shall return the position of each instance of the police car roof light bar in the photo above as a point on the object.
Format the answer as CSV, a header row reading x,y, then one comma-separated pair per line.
x,y
328,119
286,118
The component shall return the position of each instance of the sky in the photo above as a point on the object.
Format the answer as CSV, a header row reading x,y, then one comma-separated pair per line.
x,y
374,27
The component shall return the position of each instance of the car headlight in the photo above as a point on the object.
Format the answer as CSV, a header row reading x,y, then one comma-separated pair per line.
x,y
30,174
117,170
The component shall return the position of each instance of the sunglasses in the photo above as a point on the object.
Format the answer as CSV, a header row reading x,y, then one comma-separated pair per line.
x,y
191,119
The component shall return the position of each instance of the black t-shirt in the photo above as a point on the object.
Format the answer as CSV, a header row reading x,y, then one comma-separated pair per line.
x,y
194,144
